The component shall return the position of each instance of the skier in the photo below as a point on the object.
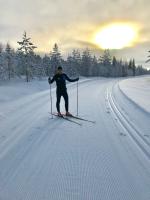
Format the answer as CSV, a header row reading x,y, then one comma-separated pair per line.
x,y
61,90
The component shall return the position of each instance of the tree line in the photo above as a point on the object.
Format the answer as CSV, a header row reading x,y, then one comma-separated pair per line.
x,y
25,62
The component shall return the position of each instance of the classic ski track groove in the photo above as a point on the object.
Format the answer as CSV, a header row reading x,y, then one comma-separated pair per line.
x,y
137,138
131,124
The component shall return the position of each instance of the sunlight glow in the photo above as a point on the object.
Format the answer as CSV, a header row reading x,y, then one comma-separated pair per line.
x,y
116,36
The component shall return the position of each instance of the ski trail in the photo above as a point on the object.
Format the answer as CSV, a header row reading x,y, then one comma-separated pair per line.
x,y
128,127
44,158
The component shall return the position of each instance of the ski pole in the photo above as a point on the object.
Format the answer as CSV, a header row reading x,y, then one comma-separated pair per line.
x,y
77,99
51,100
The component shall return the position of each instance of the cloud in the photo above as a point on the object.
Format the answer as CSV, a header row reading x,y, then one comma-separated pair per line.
x,y
71,23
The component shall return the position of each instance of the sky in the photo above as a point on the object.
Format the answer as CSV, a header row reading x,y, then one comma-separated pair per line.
x,y
72,23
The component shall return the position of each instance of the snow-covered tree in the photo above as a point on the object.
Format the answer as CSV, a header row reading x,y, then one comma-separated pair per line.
x,y
76,56
38,68
55,57
27,48
20,65
133,67
2,66
95,67
9,59
47,65
125,69
114,67
106,60
148,58
86,63
74,63
70,64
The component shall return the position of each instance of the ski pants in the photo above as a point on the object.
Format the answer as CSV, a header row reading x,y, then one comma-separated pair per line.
x,y
65,96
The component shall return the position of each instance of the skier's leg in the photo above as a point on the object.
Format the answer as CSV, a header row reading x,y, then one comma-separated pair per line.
x,y
58,95
65,95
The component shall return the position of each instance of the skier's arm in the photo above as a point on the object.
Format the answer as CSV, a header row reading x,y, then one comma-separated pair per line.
x,y
71,80
51,80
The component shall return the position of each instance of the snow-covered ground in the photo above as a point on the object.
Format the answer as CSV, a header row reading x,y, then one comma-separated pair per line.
x,y
137,90
43,158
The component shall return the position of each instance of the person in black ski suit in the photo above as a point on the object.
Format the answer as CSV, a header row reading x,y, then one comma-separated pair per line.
x,y
61,90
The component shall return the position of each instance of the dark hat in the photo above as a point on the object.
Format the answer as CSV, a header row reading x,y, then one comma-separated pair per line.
x,y
59,68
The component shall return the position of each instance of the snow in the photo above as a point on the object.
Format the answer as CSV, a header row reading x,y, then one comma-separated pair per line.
x,y
137,90
15,89
43,158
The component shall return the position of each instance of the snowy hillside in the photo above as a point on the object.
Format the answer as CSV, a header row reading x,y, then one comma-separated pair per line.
x,y
54,159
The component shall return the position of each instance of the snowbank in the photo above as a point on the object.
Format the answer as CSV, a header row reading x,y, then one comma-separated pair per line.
x,y
138,91
15,89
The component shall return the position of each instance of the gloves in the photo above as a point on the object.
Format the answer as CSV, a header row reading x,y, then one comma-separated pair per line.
x,y
49,80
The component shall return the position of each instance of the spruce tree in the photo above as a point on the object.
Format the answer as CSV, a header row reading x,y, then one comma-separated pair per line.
x,y
9,53
114,67
148,58
46,65
106,59
55,57
133,67
27,48
2,65
86,63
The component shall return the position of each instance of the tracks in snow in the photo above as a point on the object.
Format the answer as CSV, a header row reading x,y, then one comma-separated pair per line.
x,y
127,126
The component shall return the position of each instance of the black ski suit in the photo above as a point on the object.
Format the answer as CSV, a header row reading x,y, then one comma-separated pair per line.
x,y
61,88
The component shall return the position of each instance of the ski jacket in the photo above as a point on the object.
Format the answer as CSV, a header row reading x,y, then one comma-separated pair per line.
x,y
61,81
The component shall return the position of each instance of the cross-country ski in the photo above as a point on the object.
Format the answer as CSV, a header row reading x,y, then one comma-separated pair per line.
x,y
80,118
75,117
66,118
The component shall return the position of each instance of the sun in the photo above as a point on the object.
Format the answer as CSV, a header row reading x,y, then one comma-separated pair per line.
x,y
116,36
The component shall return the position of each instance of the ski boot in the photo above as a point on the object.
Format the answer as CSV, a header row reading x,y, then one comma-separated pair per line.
x,y
68,114
59,114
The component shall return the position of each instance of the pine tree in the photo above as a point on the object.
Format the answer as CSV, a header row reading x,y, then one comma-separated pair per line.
x,y
55,57
2,66
38,67
9,53
106,59
148,58
120,69
86,63
125,69
130,73
70,65
47,65
20,65
95,68
114,67
130,64
133,67
74,63
27,48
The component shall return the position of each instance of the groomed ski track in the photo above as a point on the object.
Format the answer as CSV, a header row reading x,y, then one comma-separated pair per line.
x,y
52,159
